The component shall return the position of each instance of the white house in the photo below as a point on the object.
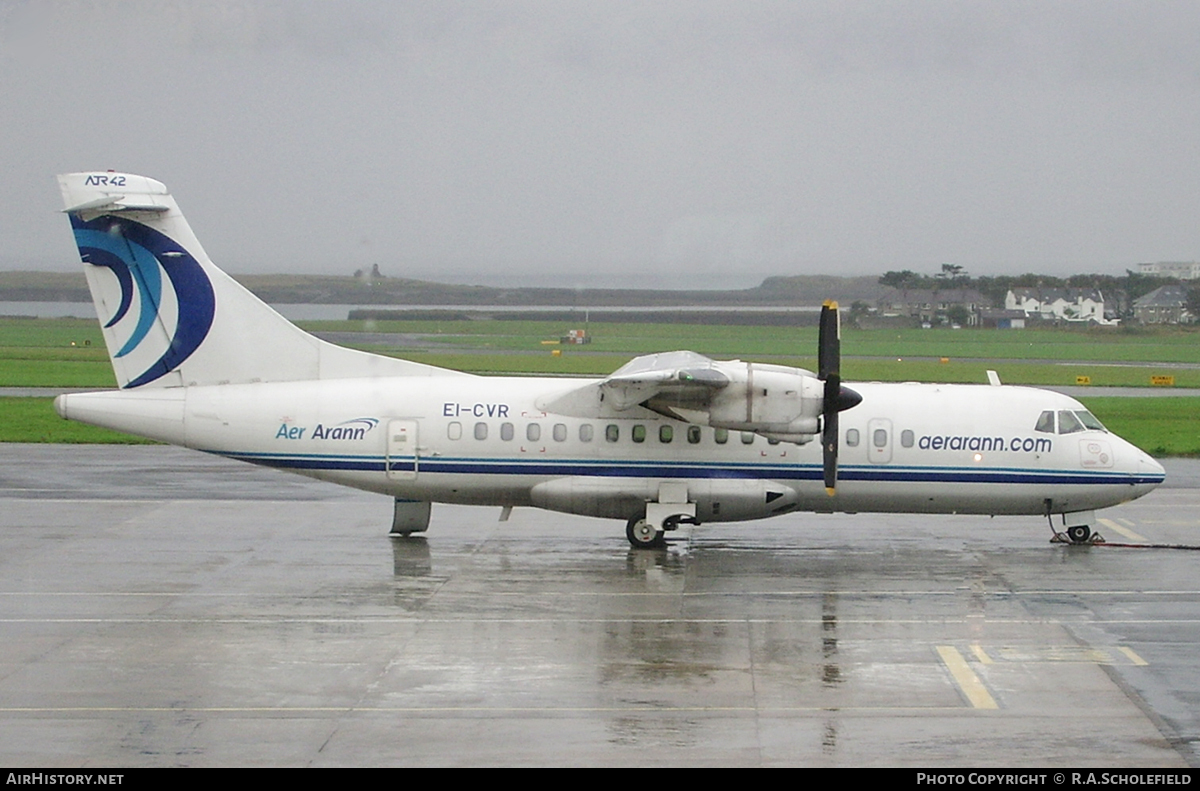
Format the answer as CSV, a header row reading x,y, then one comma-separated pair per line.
x,y
1059,304
1184,270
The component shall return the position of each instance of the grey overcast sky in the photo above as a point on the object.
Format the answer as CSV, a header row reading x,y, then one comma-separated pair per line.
x,y
690,144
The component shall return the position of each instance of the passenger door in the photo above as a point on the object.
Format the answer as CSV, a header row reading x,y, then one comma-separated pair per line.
x,y
402,456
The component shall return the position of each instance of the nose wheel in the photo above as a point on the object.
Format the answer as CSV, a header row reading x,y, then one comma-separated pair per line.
x,y
1076,535
643,535
1076,529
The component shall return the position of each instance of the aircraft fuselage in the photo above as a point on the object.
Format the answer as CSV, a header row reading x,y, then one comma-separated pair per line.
x,y
483,440
667,439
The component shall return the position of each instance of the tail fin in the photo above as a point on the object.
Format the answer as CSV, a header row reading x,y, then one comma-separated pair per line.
x,y
170,317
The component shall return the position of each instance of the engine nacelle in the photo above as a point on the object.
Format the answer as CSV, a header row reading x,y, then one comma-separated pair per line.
x,y
776,401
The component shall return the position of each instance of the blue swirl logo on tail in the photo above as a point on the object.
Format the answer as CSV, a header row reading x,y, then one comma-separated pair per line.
x,y
138,256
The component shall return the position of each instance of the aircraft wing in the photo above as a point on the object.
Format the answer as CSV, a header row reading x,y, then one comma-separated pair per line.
x,y
777,401
686,377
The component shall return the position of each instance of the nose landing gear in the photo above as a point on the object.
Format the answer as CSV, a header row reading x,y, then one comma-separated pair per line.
x,y
1077,531
1079,534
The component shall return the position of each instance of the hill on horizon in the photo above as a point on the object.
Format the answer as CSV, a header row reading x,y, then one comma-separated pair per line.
x,y
780,291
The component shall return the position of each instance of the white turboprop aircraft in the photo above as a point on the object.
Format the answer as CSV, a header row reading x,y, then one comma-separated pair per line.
x,y
668,439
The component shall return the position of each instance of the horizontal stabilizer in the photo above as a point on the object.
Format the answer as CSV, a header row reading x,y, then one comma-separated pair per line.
x,y
112,192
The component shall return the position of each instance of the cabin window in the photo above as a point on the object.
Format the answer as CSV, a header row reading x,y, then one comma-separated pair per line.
x,y
1068,423
454,430
852,437
481,431
747,438
693,435
666,433
772,441
906,438
560,432
586,432
506,432
721,436
879,438
1045,422
612,432
533,432
639,433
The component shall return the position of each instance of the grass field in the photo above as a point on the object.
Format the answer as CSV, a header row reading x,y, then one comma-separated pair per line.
x,y
70,353
1168,345
1034,357
861,370
34,420
53,353
1159,426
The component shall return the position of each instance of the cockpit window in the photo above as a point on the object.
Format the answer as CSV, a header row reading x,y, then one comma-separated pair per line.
x,y
1068,423
1045,422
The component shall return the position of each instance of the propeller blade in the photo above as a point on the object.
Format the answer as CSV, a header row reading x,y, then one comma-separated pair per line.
x,y
829,436
829,341
829,364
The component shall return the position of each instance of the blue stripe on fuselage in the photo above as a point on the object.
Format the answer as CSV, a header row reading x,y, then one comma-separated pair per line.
x,y
654,469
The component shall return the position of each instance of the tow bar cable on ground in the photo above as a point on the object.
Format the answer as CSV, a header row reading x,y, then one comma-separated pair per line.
x,y
1097,540
1089,539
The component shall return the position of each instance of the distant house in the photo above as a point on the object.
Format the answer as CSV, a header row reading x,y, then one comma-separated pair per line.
x,y
1082,305
1184,270
1001,319
932,307
1163,305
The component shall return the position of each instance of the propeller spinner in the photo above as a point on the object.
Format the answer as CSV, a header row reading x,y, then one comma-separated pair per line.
x,y
836,397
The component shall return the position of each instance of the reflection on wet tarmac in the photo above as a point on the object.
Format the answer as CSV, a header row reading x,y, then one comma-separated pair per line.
x,y
831,672
165,625
411,556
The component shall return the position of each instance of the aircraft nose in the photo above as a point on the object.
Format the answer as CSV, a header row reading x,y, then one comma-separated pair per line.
x,y
1145,471
1145,468
1149,467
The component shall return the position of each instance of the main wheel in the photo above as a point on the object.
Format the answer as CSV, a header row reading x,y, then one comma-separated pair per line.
x,y
1079,533
643,535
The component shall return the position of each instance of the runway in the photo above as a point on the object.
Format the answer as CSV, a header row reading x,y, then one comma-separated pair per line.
x,y
160,607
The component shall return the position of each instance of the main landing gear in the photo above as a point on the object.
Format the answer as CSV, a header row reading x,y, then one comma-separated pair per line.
x,y
643,535
666,513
